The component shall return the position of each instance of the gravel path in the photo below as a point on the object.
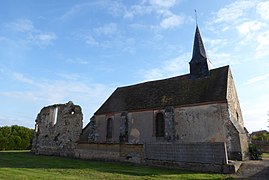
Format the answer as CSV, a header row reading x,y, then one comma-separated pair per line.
x,y
253,170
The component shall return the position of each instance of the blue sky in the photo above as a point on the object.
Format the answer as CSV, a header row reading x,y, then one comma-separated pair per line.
x,y
56,51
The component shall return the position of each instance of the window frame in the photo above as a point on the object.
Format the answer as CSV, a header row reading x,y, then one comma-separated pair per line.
x,y
159,125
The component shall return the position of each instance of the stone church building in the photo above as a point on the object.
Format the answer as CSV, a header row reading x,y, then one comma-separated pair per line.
x,y
193,118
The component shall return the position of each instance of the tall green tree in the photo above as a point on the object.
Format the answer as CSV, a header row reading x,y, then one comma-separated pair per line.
x,y
15,137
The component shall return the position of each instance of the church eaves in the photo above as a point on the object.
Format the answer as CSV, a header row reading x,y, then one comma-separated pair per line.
x,y
199,62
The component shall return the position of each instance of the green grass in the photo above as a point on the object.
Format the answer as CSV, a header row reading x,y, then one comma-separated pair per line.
x,y
24,165
265,155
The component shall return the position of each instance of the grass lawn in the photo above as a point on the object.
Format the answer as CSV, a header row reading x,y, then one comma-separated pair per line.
x,y
265,155
24,165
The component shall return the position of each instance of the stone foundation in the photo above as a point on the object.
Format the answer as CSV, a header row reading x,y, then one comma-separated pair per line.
x,y
210,153
111,152
203,157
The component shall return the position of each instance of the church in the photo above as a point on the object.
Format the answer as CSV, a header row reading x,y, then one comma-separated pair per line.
x,y
199,107
192,121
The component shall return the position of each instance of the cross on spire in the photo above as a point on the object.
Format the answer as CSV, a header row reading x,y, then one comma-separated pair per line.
x,y
196,17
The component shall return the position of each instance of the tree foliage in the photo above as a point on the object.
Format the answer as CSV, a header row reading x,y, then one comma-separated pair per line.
x,y
15,137
261,136
255,152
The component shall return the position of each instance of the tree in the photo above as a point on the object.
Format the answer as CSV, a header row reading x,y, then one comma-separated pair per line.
x,y
261,137
15,137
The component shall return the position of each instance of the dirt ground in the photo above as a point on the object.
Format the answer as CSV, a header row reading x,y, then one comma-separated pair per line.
x,y
253,170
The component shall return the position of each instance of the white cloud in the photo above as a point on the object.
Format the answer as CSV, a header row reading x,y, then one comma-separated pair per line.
x,y
162,8
21,25
255,112
257,79
262,49
153,74
3,39
250,26
221,58
43,38
172,67
107,29
163,3
55,90
71,77
249,20
80,61
46,37
114,8
87,37
33,35
74,11
172,21
263,38
107,37
21,78
214,43
233,11
42,92
263,9
139,9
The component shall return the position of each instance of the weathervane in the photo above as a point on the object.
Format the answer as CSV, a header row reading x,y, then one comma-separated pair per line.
x,y
196,17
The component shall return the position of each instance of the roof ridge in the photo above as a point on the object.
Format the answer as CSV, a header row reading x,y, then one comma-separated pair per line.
x,y
158,80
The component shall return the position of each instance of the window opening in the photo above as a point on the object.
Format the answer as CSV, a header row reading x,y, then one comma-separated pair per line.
x,y
109,128
55,115
159,125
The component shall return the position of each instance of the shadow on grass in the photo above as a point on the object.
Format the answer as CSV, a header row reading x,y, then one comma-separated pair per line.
x,y
22,159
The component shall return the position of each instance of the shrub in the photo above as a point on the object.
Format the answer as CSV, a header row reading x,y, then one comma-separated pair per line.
x,y
254,152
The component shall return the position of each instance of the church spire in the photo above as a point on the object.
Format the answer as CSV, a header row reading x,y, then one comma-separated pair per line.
x,y
198,46
198,64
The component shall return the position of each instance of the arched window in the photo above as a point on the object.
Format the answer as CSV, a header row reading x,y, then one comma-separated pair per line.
x,y
109,128
159,122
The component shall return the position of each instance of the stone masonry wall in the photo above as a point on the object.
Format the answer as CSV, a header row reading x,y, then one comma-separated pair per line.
x,y
200,123
235,130
57,129
110,152
212,153
202,157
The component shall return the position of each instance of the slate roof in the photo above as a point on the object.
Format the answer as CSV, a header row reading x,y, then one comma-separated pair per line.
x,y
175,91
198,47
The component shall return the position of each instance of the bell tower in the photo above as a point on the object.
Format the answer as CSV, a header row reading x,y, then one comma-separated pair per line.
x,y
199,63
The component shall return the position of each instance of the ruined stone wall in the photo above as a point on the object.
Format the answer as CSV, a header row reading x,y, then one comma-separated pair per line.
x,y
57,129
